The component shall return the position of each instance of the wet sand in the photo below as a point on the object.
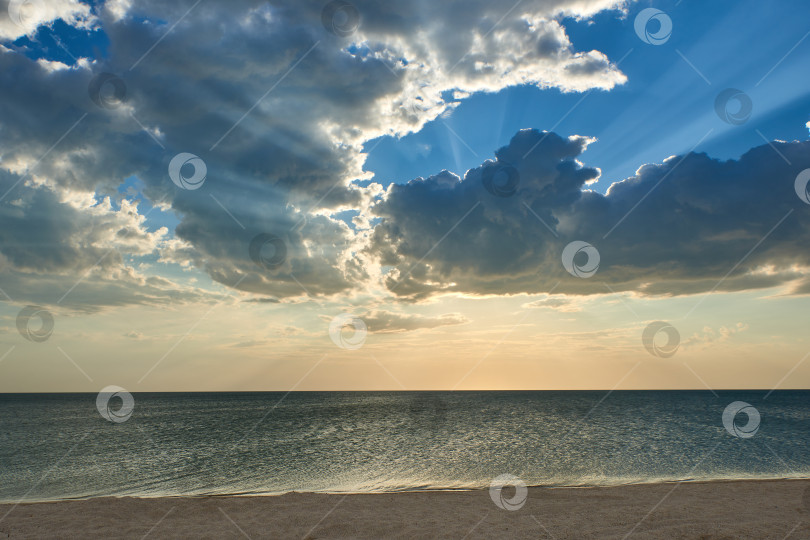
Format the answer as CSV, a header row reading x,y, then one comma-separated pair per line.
x,y
708,510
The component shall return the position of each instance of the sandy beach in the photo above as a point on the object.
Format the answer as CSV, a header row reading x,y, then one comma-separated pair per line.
x,y
733,509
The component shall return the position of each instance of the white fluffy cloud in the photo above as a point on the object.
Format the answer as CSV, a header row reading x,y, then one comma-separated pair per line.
x,y
24,17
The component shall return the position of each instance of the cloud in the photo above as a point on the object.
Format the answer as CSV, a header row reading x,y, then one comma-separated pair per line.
x,y
685,226
276,332
249,344
385,322
276,106
559,303
709,336
23,17
262,300
61,246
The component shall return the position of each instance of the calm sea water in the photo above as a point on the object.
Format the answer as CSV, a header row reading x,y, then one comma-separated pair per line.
x,y
59,446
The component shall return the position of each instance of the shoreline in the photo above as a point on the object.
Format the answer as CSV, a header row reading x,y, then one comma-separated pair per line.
x,y
655,482
740,508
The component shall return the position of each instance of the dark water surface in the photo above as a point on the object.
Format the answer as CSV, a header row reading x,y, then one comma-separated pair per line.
x,y
55,446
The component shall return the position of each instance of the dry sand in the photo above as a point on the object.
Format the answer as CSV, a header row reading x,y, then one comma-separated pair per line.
x,y
739,509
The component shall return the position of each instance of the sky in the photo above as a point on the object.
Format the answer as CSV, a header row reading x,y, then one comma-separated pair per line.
x,y
551,194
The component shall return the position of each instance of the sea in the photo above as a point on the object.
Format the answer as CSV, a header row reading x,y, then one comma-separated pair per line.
x,y
60,446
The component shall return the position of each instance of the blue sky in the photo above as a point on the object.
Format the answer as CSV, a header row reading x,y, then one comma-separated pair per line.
x,y
665,108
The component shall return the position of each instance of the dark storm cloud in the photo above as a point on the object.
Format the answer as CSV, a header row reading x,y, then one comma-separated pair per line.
x,y
277,107
674,228
63,247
